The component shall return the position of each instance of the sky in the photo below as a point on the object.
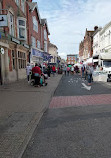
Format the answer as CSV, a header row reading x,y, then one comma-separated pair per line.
x,y
68,20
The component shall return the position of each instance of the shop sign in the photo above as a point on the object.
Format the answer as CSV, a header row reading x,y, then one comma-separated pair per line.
x,y
26,46
3,20
15,40
37,53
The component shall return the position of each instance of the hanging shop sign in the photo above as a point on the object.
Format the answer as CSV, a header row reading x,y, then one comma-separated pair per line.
x,y
15,40
3,20
37,53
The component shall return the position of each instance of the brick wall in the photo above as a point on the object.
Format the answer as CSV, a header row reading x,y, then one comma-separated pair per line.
x,y
10,60
10,4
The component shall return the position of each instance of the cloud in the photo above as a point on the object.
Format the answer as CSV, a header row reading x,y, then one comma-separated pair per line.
x,y
68,20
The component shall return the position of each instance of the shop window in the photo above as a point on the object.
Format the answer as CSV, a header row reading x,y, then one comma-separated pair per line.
x,y
13,59
21,60
22,34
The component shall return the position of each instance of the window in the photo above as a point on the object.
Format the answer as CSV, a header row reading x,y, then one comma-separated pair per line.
x,y
35,24
0,8
23,5
21,60
17,2
22,28
33,41
11,24
38,44
13,59
45,34
45,46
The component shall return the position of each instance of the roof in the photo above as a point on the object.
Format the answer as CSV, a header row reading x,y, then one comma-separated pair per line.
x,y
44,22
32,6
52,45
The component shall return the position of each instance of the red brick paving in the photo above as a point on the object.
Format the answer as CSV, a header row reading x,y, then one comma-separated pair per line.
x,y
66,101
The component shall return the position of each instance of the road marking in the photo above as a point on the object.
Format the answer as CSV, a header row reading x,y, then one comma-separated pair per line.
x,y
86,87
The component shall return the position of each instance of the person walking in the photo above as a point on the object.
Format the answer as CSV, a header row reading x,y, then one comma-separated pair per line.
x,y
72,70
89,74
65,69
37,74
48,70
28,70
68,69
53,70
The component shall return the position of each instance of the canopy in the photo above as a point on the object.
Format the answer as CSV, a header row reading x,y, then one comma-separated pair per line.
x,y
95,60
106,56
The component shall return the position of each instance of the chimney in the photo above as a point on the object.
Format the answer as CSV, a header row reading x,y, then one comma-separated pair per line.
x,y
95,28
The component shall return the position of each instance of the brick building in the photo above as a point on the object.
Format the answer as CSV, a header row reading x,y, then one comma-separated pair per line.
x,y
86,46
13,41
24,38
37,33
72,59
81,50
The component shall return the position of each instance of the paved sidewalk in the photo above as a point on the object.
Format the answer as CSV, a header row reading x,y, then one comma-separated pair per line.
x,y
21,107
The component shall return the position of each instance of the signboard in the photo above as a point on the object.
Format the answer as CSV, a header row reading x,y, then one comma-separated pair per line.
x,y
37,53
3,20
15,40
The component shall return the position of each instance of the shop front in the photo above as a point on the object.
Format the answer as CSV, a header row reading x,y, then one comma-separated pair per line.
x,y
13,60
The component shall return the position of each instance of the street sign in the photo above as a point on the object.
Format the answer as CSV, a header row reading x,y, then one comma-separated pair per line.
x,y
3,20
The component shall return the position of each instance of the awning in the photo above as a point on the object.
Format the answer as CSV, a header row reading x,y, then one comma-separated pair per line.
x,y
95,60
106,56
89,61
95,56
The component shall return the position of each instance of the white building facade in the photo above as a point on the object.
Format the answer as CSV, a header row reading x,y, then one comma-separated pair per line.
x,y
102,44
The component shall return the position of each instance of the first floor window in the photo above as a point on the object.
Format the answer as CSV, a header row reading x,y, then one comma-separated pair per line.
x,y
38,44
11,24
45,46
35,24
17,2
21,60
23,5
22,33
33,41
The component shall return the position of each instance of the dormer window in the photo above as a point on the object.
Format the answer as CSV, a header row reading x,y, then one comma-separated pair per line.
x,y
22,34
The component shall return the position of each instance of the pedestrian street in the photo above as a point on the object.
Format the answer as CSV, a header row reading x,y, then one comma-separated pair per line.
x,y
77,123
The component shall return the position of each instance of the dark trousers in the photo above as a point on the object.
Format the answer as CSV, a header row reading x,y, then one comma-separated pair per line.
x,y
28,77
37,80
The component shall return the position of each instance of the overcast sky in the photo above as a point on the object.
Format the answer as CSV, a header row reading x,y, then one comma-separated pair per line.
x,y
68,20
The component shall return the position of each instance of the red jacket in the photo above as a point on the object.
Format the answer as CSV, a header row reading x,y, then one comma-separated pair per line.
x,y
53,68
36,69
